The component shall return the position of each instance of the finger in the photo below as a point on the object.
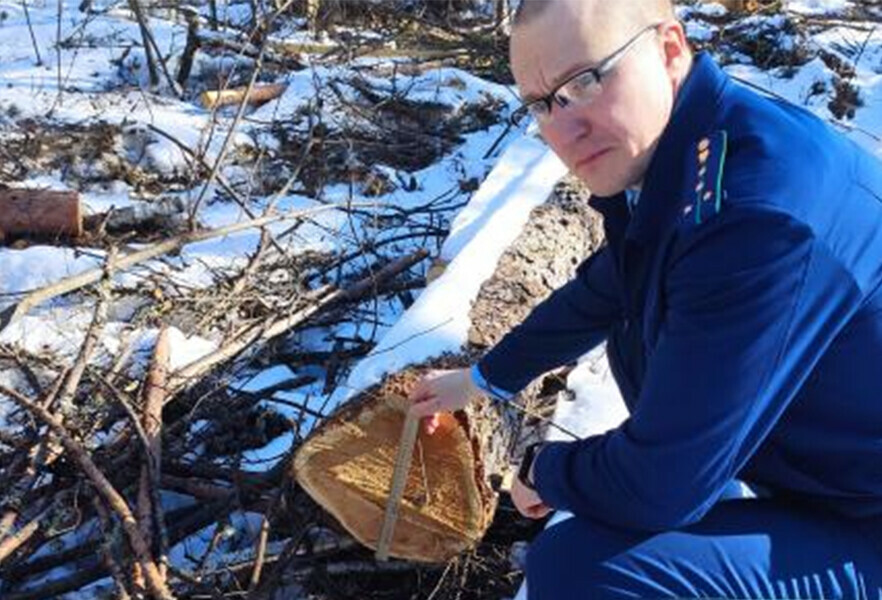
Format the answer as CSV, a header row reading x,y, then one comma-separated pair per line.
x,y
428,407
432,423
423,408
538,511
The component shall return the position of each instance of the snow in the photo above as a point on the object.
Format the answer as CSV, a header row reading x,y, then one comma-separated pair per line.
x,y
817,7
711,9
798,86
699,32
34,267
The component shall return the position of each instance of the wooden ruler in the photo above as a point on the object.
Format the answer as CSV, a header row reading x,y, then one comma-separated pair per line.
x,y
399,479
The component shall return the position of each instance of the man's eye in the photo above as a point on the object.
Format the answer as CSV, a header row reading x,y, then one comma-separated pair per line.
x,y
581,85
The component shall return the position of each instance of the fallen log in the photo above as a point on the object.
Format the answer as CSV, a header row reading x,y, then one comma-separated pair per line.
x,y
260,94
46,213
558,236
347,463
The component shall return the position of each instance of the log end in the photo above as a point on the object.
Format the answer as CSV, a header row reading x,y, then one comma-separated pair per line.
x,y
41,212
347,467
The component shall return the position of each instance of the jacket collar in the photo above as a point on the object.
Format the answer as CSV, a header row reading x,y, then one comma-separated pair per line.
x,y
696,110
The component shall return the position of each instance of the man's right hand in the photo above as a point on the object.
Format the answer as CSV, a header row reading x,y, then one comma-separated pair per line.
x,y
441,391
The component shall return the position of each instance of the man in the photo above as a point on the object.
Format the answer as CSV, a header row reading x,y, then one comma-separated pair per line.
x,y
740,295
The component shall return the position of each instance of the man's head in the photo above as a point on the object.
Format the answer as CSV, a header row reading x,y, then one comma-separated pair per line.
x,y
609,141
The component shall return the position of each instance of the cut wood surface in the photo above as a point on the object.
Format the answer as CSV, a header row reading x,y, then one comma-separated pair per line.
x,y
40,212
259,94
449,498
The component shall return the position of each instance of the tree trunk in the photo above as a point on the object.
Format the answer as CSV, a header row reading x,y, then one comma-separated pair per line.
x,y
135,6
40,212
312,14
502,16
346,464
212,15
558,236
185,66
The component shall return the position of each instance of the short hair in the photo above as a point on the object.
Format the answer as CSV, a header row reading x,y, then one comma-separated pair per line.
x,y
528,10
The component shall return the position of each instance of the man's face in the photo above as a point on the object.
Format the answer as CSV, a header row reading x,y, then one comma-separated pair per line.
x,y
609,142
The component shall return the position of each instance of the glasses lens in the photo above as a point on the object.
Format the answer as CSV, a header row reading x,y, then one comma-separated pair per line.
x,y
581,89
539,110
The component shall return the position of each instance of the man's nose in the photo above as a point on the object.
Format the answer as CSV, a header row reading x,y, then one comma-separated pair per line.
x,y
567,126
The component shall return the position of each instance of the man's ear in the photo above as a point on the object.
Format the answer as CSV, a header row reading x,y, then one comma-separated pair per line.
x,y
675,50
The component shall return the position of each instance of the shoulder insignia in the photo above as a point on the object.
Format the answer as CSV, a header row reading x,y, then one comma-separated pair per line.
x,y
705,170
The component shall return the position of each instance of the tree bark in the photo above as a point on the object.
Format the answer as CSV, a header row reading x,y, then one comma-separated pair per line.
x,y
192,45
558,236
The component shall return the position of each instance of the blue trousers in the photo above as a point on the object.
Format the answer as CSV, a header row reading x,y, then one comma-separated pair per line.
x,y
756,548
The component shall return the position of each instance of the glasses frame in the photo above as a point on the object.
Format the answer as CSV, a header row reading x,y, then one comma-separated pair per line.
x,y
599,71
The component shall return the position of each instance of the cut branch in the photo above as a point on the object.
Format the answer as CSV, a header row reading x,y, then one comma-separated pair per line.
x,y
117,503
40,212
149,505
276,325
259,94
18,310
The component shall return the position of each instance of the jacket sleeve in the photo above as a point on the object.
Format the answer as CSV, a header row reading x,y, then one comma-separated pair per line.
x,y
752,302
566,325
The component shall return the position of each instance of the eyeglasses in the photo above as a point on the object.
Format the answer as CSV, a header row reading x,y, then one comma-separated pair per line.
x,y
580,89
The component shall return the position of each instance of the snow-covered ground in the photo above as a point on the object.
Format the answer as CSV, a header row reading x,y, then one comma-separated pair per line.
x,y
97,75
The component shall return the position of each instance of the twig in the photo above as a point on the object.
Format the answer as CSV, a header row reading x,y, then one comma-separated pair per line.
x,y
13,542
149,502
28,478
155,582
276,325
46,450
135,7
16,311
263,538
24,5
227,140
110,562
58,54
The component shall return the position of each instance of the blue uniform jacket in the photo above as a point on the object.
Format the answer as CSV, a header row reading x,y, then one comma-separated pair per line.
x,y
742,308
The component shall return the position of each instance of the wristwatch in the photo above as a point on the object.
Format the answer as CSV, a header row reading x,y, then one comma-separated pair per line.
x,y
527,463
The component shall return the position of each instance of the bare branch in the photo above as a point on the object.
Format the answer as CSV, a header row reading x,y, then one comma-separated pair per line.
x,y
155,581
18,310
